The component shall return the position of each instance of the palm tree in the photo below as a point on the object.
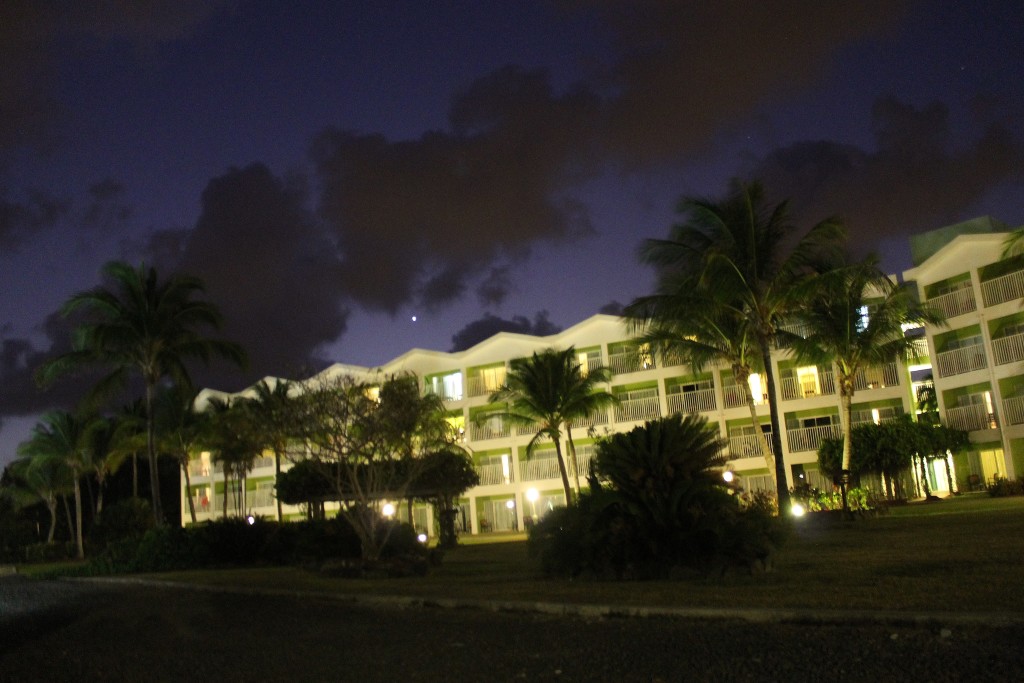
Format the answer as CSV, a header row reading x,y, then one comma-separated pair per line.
x,y
743,257
146,326
678,324
227,432
856,320
270,407
547,392
105,453
180,427
39,478
62,437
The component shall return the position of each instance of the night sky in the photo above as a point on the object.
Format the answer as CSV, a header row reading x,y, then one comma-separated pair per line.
x,y
332,170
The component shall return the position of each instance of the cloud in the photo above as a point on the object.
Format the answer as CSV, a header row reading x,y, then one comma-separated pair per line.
x,y
416,220
490,325
612,308
495,286
268,267
20,220
913,180
689,70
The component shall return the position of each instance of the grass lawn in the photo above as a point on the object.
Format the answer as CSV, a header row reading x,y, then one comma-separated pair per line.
x,y
962,554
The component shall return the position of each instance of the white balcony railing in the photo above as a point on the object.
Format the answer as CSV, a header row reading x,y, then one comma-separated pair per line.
x,y
1008,349
491,429
638,409
959,361
1004,288
797,387
955,303
970,418
746,446
539,467
810,438
685,402
1013,410
494,474
478,385
633,360
877,378
596,418
735,396
261,498
198,468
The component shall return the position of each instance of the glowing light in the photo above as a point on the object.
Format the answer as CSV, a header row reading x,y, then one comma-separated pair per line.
x,y
414,318
388,510
422,538
728,476
510,504
532,495
798,510
251,520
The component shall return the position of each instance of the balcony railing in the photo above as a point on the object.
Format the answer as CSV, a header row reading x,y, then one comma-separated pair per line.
x,y
261,498
198,468
877,378
262,462
887,414
970,418
685,402
735,396
955,303
539,467
444,393
746,446
810,438
485,386
492,429
1004,288
1013,410
494,474
959,361
598,417
633,360
1008,349
638,409
794,388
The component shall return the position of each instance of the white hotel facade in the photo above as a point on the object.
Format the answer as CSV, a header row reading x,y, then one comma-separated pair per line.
x,y
977,361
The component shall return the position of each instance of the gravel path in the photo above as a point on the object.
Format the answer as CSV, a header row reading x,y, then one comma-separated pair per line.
x,y
55,631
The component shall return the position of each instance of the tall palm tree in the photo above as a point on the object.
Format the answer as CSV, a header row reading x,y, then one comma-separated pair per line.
x,y
677,323
746,260
180,428
547,392
270,409
105,453
62,437
227,432
856,320
146,326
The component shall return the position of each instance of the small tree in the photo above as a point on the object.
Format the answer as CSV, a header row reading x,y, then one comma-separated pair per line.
x,y
369,441
446,475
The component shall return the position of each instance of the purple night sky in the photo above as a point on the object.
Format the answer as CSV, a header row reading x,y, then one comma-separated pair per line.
x,y
333,169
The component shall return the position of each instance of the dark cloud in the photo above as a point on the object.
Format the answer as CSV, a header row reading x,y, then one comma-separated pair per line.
x,y
490,325
449,204
19,220
107,208
913,180
689,70
495,286
268,267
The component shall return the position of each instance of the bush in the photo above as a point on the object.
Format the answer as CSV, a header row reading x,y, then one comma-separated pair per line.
x,y
1001,486
124,520
50,552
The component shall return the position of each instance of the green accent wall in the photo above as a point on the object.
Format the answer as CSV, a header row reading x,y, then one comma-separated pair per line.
x,y
935,288
943,340
634,387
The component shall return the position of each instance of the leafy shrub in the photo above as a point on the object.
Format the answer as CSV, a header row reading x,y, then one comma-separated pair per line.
x,y
50,552
666,509
1001,486
126,519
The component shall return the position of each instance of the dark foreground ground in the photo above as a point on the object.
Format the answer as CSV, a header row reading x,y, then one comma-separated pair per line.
x,y
61,631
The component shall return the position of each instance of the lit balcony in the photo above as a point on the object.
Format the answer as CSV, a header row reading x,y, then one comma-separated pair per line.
x,y
877,378
957,302
685,402
805,385
746,446
971,418
637,407
1013,410
1004,288
960,361
810,438
630,360
1008,349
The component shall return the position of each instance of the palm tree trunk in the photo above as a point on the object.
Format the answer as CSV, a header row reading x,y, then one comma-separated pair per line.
x,y
67,513
574,463
78,518
154,473
561,470
949,472
845,417
51,505
135,475
277,477
924,477
225,515
781,483
743,376
99,497
188,490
